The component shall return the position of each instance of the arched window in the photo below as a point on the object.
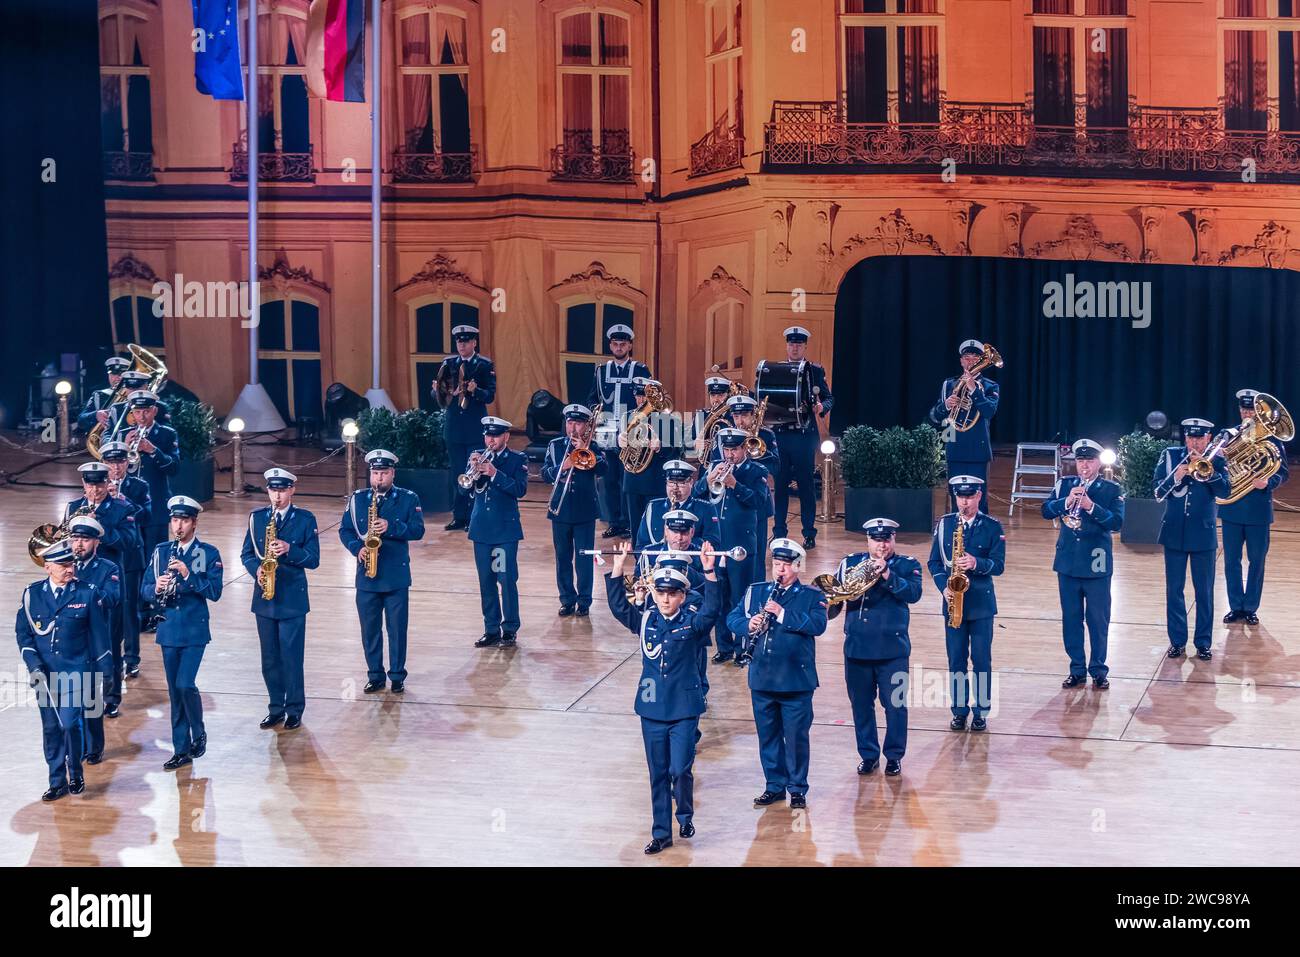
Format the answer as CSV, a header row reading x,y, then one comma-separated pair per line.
x,y
134,321
584,325
433,96
724,343
289,357
125,118
431,320
594,84
283,128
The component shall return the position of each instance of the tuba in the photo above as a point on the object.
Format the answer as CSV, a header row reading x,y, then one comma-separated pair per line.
x,y
372,541
958,583
145,361
1248,452
963,417
858,580
638,454
269,561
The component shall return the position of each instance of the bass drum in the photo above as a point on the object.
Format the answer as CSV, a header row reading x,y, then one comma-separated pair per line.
x,y
787,388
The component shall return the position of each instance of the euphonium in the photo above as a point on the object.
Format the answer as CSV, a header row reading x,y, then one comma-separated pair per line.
x,y
858,580
370,546
269,562
1249,454
46,535
958,583
962,418
145,361
636,457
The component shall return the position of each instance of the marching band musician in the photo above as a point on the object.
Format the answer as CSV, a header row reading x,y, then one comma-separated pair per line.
x,y
877,645
670,713
679,480
640,487
462,425
96,409
612,388
115,515
744,486
782,618
572,511
1188,535
971,641
136,492
744,415
385,598
798,451
495,530
716,390
1084,563
63,635
159,459
181,577
1246,523
116,415
969,452
83,536
282,618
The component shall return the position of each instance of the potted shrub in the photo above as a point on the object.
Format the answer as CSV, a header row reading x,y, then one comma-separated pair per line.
x,y
1138,454
415,437
196,428
891,473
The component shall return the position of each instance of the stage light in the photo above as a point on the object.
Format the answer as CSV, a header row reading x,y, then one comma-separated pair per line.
x,y
1157,424
63,387
341,405
1108,457
545,418
828,447
235,425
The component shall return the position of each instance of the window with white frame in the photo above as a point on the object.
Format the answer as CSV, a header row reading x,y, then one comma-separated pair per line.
x,y
126,123
133,319
431,320
283,119
724,344
722,61
892,69
289,358
433,87
1081,45
594,82
585,326
1259,42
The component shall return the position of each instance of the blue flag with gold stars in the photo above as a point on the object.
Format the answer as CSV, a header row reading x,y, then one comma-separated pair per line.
x,y
215,41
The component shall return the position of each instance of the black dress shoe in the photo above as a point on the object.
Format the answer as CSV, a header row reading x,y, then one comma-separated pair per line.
x,y
455,526
271,720
487,641
1252,618
686,830
658,844
809,543
798,800
1232,616
611,532
176,761
957,724
1074,681
1175,652
743,659
978,724
893,767
566,611
54,793
769,797
721,657
77,785
150,626
199,747
508,639
132,673
1101,684
374,686
1204,654
112,711
399,687
293,722
93,757
866,767
582,612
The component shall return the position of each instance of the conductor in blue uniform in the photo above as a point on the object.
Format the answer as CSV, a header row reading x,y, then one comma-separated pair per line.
x,y
572,510
1188,533
612,388
781,619
181,577
970,641
669,698
1090,510
968,452
798,445
462,425
1246,522
282,618
877,644
63,634
384,598
495,530
84,534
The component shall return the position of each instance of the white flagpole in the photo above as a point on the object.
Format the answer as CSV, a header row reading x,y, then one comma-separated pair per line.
x,y
377,397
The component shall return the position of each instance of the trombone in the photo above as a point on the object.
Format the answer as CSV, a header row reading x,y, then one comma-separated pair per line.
x,y
578,455
1199,466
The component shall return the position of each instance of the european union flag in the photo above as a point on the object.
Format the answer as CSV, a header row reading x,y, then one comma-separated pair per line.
x,y
216,49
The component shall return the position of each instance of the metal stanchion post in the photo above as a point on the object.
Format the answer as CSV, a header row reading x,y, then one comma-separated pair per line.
x,y
236,428
63,388
350,431
828,513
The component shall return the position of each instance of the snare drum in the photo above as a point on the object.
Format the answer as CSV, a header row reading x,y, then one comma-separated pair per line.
x,y
788,390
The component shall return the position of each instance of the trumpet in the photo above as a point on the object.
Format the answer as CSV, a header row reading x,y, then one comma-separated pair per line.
x,y
718,481
1072,519
474,480
145,361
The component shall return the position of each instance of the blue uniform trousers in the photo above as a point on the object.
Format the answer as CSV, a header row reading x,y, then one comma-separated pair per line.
x,y
1176,605
797,452
129,652
634,506
611,484
978,470
1255,539
783,720
373,608
283,641
182,668
498,568
735,577
62,727
703,661
888,680
457,461
1085,599
670,756
569,541
970,645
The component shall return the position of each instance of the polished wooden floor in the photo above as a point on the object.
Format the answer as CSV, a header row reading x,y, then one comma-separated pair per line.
x,y
533,756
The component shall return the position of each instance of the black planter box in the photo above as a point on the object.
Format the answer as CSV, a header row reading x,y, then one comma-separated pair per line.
x,y
911,508
195,479
432,485
1142,519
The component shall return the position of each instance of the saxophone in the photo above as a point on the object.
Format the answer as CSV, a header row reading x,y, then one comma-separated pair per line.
x,y
372,542
957,580
269,561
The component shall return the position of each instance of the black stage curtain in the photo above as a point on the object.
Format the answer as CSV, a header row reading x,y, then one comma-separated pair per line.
x,y
54,292
1213,330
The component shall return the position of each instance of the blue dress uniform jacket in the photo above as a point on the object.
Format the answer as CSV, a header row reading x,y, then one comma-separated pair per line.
x,y
106,576
876,625
108,581
650,528
986,542
99,400
186,621
741,506
785,658
1256,506
464,426
1190,511
1077,550
579,506
299,530
400,507
797,452
973,445
136,491
156,467
642,485
611,386
118,519
495,518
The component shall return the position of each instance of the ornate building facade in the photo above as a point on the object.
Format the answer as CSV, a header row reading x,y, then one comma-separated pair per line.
x,y
706,171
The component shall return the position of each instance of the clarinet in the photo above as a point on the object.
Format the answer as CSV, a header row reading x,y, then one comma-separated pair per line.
x,y
749,642
168,596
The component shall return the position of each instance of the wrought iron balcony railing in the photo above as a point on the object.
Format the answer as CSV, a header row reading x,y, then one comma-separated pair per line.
x,y
273,167
411,166
128,166
723,147
1159,142
579,160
